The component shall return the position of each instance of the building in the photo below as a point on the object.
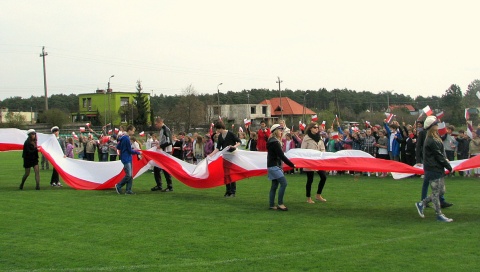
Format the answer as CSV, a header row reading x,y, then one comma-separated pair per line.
x,y
108,107
292,111
409,108
28,117
267,110
237,113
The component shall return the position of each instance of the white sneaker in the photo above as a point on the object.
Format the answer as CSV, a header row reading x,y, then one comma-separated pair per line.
x,y
443,218
59,184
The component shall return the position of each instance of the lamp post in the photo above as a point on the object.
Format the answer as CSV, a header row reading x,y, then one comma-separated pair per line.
x,y
248,105
280,91
218,94
304,102
104,100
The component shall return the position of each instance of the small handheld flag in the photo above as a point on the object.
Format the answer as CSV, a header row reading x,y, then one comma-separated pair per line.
x,y
440,115
442,129
314,118
142,133
427,110
82,129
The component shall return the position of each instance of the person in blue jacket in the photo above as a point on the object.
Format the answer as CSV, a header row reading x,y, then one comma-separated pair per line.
x,y
125,148
393,145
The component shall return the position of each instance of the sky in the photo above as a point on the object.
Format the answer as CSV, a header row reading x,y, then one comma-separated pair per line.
x,y
407,47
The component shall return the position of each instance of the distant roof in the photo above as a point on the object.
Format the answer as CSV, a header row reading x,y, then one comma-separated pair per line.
x,y
408,107
289,106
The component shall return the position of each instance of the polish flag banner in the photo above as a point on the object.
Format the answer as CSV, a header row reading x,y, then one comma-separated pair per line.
x,y
427,110
247,122
467,114
82,129
442,128
142,133
209,172
324,123
314,118
301,125
440,115
389,117
470,130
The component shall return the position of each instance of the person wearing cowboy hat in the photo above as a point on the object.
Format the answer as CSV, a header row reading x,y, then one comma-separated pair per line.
x,y
434,165
30,158
55,180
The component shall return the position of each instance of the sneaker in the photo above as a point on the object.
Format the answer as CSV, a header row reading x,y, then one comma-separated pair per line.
x,y
129,193
156,188
445,204
168,190
53,184
227,195
59,184
443,218
420,207
118,189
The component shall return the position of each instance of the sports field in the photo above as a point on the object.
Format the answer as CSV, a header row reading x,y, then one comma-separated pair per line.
x,y
367,224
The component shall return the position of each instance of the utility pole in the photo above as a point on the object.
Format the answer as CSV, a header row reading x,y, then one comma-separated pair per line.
x,y
280,91
43,55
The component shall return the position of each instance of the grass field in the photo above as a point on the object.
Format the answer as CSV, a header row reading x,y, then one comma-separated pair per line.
x,y
369,224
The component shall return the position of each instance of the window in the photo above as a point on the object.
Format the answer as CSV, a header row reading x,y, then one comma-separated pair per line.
x,y
124,101
264,109
84,102
253,110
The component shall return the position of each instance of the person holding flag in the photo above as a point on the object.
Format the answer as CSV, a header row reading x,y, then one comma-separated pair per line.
x,y
30,158
126,152
165,144
263,134
434,164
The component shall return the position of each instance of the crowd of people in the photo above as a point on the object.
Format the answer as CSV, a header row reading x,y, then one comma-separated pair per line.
x,y
389,141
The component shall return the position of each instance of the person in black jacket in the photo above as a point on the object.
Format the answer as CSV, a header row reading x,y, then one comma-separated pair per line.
x,y
463,147
275,156
434,164
229,141
30,158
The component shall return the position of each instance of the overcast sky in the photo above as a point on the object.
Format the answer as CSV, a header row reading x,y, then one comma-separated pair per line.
x,y
409,47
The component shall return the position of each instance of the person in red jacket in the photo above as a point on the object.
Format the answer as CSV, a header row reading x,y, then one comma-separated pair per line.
x,y
263,134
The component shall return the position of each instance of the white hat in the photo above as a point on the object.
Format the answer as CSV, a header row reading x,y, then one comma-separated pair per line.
x,y
430,122
275,127
31,131
54,129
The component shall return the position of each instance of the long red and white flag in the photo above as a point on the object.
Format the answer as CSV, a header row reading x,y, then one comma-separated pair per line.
x,y
209,172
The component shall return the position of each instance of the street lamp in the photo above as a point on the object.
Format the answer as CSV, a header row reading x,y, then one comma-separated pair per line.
x,y
304,102
218,94
280,91
104,100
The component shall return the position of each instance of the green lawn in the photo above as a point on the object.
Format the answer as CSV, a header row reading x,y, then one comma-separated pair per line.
x,y
368,224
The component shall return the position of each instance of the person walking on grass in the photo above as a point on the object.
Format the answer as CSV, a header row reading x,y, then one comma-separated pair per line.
x,y
228,140
30,158
434,164
125,148
164,143
55,180
313,141
275,156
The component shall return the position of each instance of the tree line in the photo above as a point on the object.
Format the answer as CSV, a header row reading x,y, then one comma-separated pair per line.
x,y
188,109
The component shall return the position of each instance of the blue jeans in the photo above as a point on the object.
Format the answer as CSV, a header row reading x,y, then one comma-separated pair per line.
x,y
128,179
426,182
283,185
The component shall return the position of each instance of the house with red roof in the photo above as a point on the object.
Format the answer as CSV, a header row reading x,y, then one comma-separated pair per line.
x,y
292,111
